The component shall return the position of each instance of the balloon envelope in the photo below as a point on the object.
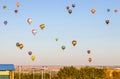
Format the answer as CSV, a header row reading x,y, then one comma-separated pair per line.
x,y
30,52
73,5
5,22
29,20
42,26
34,31
63,47
74,42
88,51
90,59
4,7
17,44
69,11
16,11
33,57
21,46
115,10
107,21
56,39
17,4
67,7
108,10
93,11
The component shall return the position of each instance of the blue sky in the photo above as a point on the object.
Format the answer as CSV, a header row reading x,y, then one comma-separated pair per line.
x,y
89,30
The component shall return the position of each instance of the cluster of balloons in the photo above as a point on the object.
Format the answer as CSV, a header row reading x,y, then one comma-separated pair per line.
x,y
19,45
70,10
17,5
32,56
34,31
89,59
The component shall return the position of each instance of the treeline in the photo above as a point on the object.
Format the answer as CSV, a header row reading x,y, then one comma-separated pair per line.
x,y
73,73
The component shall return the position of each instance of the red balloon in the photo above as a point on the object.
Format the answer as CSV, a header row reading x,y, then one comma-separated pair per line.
x,y
88,52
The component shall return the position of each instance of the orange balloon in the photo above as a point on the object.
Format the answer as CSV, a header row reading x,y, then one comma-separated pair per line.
x,y
93,11
74,42
17,4
21,46
42,26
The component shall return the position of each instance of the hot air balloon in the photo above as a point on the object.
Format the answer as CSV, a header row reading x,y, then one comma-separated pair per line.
x,y
67,7
56,39
69,11
21,46
34,31
17,44
90,59
30,52
4,7
63,47
73,5
74,42
42,26
5,22
17,4
115,10
107,21
108,10
29,20
93,11
16,11
33,57
88,51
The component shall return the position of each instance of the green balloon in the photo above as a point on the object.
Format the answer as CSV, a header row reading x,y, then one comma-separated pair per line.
x,y
56,39
63,47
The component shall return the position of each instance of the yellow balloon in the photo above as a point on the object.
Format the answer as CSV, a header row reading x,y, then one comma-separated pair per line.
x,y
33,57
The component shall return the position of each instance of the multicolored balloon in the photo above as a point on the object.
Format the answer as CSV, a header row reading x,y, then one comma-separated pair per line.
x,y
69,11
93,11
33,57
34,31
42,26
74,42
29,20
